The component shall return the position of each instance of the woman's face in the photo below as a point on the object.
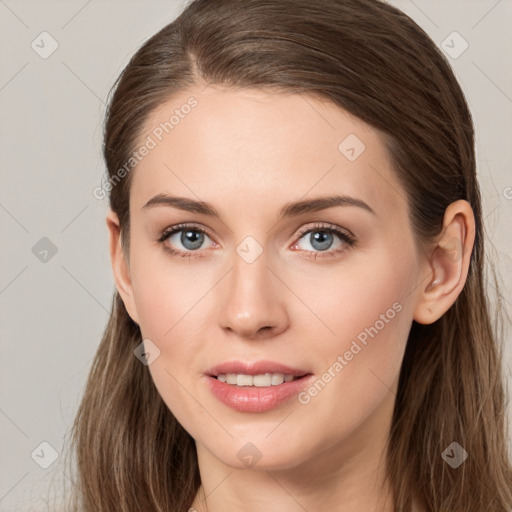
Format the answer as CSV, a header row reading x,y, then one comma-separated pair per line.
x,y
270,287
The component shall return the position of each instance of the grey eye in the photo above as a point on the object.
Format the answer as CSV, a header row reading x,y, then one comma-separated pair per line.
x,y
191,239
320,240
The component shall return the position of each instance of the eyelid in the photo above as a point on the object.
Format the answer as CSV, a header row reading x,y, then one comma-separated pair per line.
x,y
327,227
183,227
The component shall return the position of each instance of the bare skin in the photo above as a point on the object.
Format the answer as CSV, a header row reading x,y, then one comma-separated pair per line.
x,y
248,153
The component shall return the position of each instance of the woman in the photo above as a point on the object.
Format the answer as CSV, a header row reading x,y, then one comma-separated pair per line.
x,y
300,319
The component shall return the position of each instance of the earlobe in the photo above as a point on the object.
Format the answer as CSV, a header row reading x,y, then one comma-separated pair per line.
x,y
120,266
448,264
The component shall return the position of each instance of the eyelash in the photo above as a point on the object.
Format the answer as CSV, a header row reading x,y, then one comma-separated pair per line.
x,y
349,239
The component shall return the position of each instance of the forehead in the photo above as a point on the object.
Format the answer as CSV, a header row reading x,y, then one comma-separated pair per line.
x,y
219,143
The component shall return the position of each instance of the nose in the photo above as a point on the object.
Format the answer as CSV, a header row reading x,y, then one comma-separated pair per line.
x,y
253,300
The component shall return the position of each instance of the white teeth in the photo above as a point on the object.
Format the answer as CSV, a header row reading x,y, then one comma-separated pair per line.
x,y
231,378
244,380
263,380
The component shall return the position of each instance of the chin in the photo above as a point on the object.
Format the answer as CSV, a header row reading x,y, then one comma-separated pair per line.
x,y
261,456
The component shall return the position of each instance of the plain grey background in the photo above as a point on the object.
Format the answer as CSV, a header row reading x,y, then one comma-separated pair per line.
x,y
54,305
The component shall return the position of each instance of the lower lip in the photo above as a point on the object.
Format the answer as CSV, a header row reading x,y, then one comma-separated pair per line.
x,y
256,399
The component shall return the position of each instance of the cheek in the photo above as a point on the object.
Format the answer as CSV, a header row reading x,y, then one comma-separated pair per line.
x,y
166,294
368,315
165,306
349,299
170,299
371,315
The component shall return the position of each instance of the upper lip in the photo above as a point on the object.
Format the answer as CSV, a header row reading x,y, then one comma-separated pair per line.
x,y
254,368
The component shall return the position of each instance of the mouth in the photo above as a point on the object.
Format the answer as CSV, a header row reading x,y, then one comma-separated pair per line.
x,y
258,374
259,380
257,387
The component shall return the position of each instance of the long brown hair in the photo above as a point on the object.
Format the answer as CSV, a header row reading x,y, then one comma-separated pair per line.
x,y
372,60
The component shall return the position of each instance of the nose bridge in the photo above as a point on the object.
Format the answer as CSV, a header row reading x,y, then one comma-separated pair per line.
x,y
252,301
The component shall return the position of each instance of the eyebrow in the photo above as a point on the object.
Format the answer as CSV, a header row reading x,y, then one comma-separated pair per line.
x,y
288,210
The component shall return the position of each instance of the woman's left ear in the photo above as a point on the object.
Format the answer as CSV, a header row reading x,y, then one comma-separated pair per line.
x,y
448,263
